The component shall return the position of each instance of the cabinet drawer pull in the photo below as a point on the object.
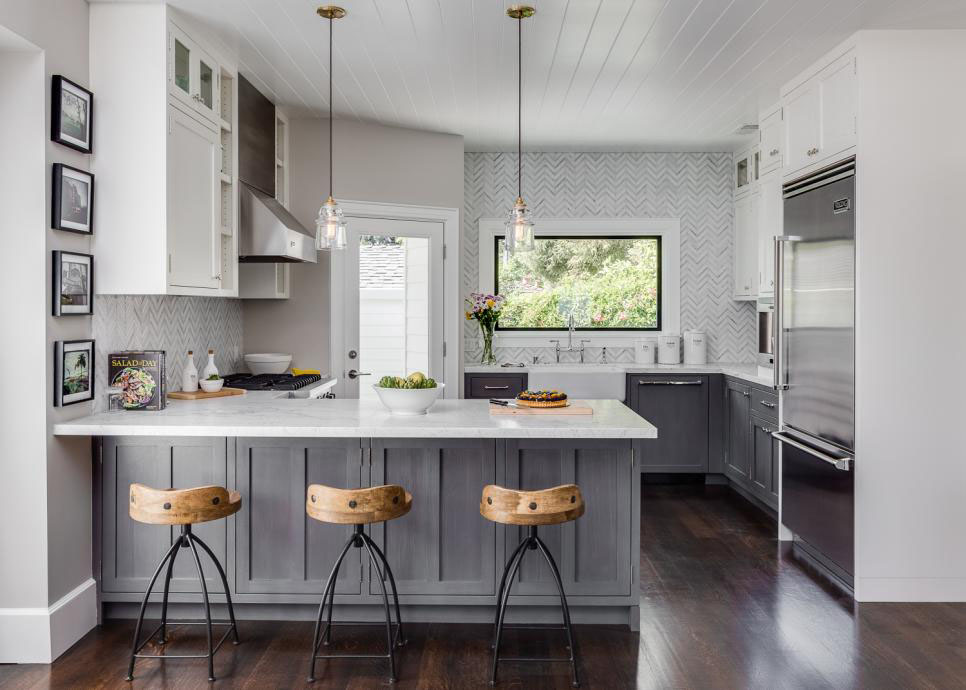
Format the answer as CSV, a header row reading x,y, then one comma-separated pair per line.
x,y
496,388
767,404
643,382
745,393
812,151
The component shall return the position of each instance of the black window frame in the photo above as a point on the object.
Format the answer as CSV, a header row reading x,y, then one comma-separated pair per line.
x,y
660,277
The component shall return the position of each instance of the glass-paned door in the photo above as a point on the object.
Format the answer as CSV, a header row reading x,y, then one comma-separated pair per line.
x,y
394,302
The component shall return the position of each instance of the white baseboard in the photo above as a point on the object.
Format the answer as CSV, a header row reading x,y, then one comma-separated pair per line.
x,y
910,589
40,635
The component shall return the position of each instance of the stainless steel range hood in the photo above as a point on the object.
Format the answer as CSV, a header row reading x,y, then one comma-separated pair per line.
x,y
269,233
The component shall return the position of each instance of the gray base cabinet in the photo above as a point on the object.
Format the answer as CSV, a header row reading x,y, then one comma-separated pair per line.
x,y
751,454
498,385
131,550
592,553
679,407
443,553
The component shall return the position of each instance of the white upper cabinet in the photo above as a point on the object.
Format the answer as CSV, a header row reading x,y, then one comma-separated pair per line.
x,y
746,247
166,155
770,133
769,226
193,75
820,116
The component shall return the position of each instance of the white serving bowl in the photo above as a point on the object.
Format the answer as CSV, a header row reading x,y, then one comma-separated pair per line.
x,y
268,362
211,386
408,402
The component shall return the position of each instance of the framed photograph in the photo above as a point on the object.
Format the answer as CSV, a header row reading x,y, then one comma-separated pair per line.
x,y
72,198
73,371
73,276
71,114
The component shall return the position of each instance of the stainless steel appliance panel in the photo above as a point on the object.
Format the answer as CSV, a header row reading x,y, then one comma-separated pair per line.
x,y
818,498
818,312
766,335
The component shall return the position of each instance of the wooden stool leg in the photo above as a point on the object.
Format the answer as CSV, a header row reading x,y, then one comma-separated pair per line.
x,y
566,609
385,601
224,582
186,530
499,592
400,638
167,586
144,603
329,585
501,612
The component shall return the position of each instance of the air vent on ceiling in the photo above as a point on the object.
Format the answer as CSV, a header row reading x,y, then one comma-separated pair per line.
x,y
746,129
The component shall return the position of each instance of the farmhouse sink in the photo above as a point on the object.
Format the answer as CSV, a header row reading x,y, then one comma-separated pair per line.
x,y
580,381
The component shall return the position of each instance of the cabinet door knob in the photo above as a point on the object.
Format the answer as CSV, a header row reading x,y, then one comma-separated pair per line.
x,y
773,152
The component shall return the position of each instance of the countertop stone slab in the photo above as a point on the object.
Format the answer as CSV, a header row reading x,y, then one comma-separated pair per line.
x,y
261,415
745,372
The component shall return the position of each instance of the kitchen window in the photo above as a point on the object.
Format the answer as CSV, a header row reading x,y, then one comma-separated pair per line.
x,y
607,283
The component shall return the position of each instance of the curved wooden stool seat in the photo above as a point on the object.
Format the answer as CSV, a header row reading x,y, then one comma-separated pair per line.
x,y
546,507
531,509
357,506
182,506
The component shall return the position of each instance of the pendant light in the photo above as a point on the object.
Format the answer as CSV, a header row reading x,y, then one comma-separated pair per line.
x,y
519,227
330,224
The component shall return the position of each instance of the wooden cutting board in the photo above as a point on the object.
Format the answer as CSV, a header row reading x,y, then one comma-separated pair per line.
x,y
201,395
575,408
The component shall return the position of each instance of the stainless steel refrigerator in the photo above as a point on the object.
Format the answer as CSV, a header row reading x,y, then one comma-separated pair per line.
x,y
815,365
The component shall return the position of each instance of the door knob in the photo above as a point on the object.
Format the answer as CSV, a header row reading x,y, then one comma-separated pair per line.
x,y
353,374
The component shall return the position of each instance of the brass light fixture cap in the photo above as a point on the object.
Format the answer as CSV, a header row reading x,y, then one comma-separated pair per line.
x,y
519,11
331,12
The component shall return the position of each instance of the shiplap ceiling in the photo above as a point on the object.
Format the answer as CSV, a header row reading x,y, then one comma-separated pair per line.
x,y
601,75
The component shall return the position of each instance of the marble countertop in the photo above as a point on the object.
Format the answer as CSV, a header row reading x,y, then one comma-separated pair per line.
x,y
260,415
745,372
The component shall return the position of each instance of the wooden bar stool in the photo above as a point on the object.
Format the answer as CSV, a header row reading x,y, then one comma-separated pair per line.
x,y
532,509
358,507
184,507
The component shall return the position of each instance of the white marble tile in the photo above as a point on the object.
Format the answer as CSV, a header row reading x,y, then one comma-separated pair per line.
x,y
253,415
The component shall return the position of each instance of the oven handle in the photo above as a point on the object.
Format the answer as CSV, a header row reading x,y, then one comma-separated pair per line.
x,y
844,464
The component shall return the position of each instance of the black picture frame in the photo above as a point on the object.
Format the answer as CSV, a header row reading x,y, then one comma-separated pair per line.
x,y
62,348
79,141
84,307
58,209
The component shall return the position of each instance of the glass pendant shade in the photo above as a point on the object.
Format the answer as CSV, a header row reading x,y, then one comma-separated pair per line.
x,y
330,227
519,229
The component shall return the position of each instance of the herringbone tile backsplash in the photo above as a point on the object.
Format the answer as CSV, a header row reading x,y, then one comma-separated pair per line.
x,y
172,324
694,187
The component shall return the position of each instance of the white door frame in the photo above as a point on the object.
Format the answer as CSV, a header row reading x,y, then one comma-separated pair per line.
x,y
452,303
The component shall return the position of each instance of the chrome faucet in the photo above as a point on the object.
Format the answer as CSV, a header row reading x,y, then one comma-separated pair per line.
x,y
570,342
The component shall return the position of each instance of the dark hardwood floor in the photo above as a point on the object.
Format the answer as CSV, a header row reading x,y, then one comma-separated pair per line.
x,y
723,605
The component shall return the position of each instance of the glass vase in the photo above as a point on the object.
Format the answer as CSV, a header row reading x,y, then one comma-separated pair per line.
x,y
488,357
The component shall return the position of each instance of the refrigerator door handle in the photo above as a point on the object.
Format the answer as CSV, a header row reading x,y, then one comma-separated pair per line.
x,y
840,463
779,321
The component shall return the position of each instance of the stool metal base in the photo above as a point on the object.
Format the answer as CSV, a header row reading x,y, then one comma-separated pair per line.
x,y
359,539
186,540
531,542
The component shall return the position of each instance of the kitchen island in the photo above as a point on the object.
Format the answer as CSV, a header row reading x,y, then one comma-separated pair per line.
x,y
446,558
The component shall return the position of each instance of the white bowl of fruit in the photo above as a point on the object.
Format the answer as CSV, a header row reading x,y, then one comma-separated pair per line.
x,y
409,396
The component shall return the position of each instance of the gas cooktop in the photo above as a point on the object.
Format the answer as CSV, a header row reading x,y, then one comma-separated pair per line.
x,y
270,382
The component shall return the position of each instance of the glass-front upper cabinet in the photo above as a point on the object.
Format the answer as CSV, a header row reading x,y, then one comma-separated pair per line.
x,y
747,169
192,75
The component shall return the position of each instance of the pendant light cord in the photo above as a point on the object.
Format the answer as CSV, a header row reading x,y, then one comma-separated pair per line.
x,y
520,107
330,108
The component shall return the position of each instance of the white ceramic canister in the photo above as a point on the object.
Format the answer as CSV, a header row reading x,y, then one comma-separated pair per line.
x,y
695,347
645,350
669,349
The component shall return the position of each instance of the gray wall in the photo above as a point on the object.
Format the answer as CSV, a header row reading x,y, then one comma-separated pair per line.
x,y
52,483
372,163
695,187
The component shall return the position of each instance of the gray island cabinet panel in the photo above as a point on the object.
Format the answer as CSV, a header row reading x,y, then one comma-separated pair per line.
x,y
593,552
131,550
443,546
279,549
